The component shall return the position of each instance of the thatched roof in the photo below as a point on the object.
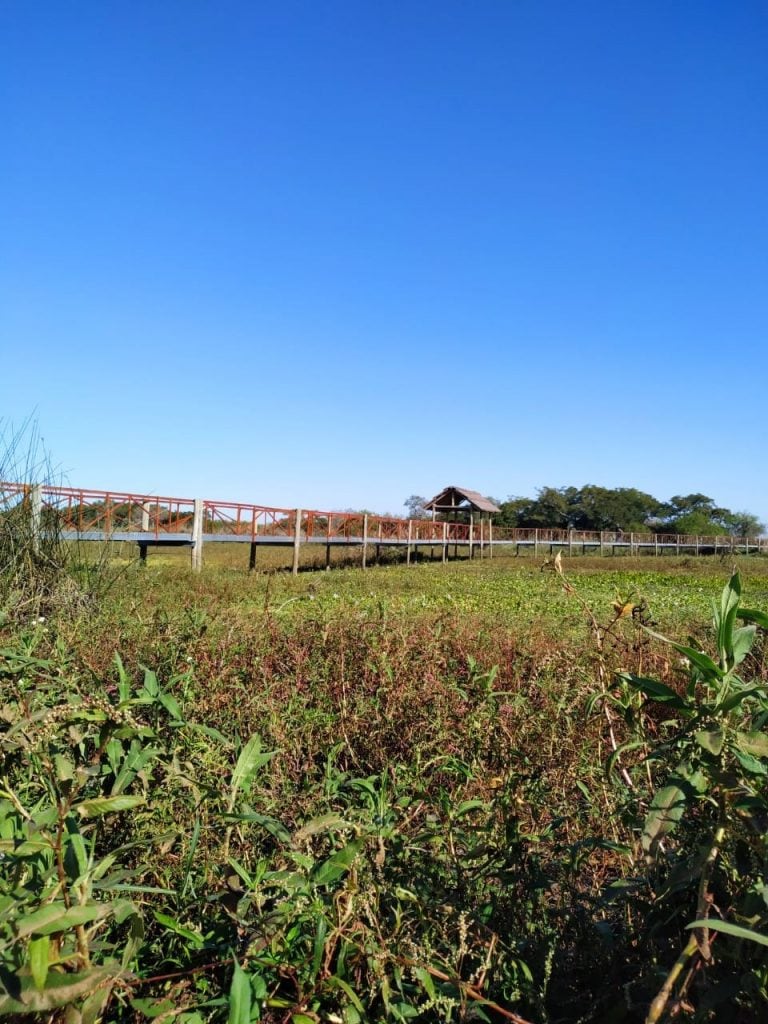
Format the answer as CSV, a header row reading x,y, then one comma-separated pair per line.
x,y
452,498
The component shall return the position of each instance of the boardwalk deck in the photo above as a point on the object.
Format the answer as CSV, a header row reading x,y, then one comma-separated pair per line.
x,y
153,521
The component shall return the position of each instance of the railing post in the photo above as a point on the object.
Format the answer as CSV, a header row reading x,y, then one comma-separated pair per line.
x,y
408,547
536,543
296,541
145,517
445,541
365,537
197,536
36,515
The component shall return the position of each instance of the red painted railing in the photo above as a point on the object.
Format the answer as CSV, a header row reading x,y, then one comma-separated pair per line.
x,y
84,511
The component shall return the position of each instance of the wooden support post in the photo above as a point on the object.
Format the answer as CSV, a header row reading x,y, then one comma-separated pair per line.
x,y
570,543
445,542
471,531
482,538
365,538
535,543
697,545
252,553
490,536
656,544
36,515
631,544
296,541
143,552
677,543
408,548
197,536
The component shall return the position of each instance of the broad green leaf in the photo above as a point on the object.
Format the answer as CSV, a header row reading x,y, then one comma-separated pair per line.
x,y
39,949
730,929
736,698
653,688
750,764
336,982
248,763
272,825
616,755
337,864
323,823
106,805
754,742
302,1018
240,997
711,740
742,641
65,769
57,917
172,706
319,945
151,684
702,661
426,981
173,925
469,805
665,812
751,615
59,990
725,617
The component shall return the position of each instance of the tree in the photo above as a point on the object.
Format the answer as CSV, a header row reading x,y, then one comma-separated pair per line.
x,y
743,524
415,505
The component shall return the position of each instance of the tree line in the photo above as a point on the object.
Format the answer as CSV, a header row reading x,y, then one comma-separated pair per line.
x,y
617,508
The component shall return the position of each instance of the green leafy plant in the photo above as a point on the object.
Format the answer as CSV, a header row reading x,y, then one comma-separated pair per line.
x,y
703,837
72,765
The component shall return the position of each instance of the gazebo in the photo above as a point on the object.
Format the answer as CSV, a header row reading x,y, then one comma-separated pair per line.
x,y
461,501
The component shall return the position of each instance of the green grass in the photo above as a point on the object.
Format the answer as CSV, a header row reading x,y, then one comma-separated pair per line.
x,y
435,823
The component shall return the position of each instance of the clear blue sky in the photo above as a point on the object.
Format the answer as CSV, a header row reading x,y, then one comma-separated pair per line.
x,y
332,254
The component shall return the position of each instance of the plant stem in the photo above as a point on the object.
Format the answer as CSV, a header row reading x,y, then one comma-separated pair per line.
x,y
660,1002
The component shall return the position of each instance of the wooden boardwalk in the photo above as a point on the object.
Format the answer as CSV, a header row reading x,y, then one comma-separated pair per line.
x,y
154,521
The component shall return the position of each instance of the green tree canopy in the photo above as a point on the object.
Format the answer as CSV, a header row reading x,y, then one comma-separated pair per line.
x,y
624,508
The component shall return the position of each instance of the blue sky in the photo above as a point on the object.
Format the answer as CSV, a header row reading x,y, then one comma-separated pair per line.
x,y
334,254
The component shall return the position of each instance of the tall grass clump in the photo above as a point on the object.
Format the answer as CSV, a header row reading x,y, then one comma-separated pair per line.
x,y
33,557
